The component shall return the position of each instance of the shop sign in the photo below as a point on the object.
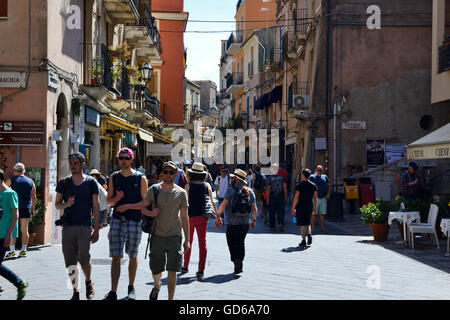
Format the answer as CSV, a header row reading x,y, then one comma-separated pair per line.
x,y
21,133
354,125
375,152
12,80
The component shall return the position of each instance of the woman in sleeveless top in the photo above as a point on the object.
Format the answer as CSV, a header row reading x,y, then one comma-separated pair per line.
x,y
196,189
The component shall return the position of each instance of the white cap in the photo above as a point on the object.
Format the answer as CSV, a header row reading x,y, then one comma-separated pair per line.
x,y
19,166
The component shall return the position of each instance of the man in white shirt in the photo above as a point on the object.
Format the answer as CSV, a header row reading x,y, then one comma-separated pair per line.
x,y
222,182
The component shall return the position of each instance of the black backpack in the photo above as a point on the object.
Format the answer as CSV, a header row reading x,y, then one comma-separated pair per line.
x,y
147,222
241,203
259,182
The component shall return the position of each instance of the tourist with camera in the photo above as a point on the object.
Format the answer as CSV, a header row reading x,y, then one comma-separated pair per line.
x,y
77,196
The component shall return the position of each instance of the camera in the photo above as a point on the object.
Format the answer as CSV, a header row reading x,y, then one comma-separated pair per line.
x,y
59,222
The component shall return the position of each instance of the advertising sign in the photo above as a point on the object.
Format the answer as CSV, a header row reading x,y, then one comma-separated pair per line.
x,y
375,152
21,133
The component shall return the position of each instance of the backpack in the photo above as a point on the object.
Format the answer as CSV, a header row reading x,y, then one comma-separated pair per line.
x,y
241,202
259,182
147,222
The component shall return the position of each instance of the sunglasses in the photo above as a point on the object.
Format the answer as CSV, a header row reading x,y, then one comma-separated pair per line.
x,y
124,158
168,172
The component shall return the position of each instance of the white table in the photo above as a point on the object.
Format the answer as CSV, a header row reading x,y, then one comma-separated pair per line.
x,y
405,217
445,227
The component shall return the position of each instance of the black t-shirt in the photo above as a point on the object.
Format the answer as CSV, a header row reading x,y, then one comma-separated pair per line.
x,y
102,180
306,198
79,214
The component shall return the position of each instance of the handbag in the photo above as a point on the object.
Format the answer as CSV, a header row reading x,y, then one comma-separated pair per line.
x,y
210,212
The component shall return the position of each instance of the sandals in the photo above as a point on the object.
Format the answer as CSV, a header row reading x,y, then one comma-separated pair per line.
x,y
154,294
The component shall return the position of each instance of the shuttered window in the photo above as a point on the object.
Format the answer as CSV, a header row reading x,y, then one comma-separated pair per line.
x,y
3,8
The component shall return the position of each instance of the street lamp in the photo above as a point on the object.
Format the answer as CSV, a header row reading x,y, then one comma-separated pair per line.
x,y
146,72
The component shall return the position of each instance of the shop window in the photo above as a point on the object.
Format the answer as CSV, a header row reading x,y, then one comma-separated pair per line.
x,y
3,8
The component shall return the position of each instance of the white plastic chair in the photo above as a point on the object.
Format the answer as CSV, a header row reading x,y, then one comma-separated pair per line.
x,y
428,227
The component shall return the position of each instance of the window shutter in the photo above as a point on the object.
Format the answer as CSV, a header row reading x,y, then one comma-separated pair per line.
x,y
3,8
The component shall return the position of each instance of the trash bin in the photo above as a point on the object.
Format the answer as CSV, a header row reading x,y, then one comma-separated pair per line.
x,y
367,191
335,206
351,193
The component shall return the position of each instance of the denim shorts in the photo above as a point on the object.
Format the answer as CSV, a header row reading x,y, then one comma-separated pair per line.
x,y
126,234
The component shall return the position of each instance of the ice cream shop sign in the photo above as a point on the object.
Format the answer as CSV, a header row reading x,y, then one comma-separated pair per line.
x,y
12,80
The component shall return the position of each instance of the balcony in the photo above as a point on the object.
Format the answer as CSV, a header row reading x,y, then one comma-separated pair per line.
x,y
302,24
289,45
235,82
144,108
234,45
223,98
122,11
144,36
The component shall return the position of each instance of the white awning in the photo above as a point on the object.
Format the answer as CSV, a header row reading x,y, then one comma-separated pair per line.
x,y
435,145
159,149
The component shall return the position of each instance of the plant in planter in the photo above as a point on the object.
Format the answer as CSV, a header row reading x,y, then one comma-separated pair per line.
x,y
96,71
116,69
134,75
376,219
122,51
36,220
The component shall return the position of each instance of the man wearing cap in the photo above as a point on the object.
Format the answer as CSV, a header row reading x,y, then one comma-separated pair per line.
x,y
241,215
410,182
171,218
26,191
126,190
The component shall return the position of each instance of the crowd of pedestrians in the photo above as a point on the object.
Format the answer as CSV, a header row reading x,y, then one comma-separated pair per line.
x,y
177,201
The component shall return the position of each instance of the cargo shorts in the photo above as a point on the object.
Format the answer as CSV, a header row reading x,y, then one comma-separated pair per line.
x,y
76,243
165,254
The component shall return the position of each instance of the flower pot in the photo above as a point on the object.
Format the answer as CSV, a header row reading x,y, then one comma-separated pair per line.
x,y
31,238
93,81
380,231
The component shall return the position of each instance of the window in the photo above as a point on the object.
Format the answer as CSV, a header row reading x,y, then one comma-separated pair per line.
x,y
254,104
3,8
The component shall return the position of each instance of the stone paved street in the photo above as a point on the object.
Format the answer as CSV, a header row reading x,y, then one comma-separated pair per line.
x,y
336,266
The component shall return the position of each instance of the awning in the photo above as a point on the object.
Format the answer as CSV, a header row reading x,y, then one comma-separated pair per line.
x,y
265,100
276,94
121,123
435,145
160,149
145,135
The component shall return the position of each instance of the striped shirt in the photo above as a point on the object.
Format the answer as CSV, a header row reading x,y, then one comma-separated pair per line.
x,y
405,179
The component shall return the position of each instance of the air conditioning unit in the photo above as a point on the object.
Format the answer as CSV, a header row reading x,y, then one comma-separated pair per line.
x,y
300,101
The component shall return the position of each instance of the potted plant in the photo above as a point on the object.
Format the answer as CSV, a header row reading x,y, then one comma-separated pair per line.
x,y
36,220
134,75
376,219
116,69
96,70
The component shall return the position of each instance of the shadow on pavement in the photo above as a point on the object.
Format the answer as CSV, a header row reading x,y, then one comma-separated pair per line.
x,y
294,249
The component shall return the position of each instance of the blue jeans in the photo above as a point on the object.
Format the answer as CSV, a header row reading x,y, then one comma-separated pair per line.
x,y
276,211
4,271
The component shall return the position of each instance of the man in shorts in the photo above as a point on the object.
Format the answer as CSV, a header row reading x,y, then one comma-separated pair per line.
x,y
126,190
77,196
171,217
26,191
303,206
324,187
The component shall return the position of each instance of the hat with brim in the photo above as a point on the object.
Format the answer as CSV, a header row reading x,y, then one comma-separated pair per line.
x,y
240,174
95,171
197,168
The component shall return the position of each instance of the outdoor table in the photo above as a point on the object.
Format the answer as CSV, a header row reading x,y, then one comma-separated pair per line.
x,y
406,217
445,227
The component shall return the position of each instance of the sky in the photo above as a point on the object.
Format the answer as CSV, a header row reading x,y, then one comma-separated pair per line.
x,y
204,49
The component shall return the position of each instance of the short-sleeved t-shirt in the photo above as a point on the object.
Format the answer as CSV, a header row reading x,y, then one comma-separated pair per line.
x,y
321,183
239,218
223,184
8,201
276,185
306,198
79,214
167,223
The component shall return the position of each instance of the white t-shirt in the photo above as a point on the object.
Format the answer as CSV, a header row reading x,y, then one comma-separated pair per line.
x,y
250,181
223,185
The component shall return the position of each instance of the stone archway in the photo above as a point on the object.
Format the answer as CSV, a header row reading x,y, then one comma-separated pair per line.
x,y
62,115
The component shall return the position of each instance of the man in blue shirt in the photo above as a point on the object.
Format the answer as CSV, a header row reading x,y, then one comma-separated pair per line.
x,y
324,187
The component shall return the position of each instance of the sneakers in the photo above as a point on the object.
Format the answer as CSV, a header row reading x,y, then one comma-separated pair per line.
x,y
184,270
309,239
89,290
131,293
302,244
237,266
11,255
23,254
22,290
154,294
111,296
200,274
75,296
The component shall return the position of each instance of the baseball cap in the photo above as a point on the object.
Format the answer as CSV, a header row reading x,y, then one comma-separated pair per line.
x,y
126,150
19,166
170,164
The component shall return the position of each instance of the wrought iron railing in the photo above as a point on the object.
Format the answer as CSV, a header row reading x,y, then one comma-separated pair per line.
x,y
236,78
146,19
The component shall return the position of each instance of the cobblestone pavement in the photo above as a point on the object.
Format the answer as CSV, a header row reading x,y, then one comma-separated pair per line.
x,y
344,263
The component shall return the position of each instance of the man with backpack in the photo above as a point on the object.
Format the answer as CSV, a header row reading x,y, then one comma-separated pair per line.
x,y
259,185
126,190
77,196
241,216
180,179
